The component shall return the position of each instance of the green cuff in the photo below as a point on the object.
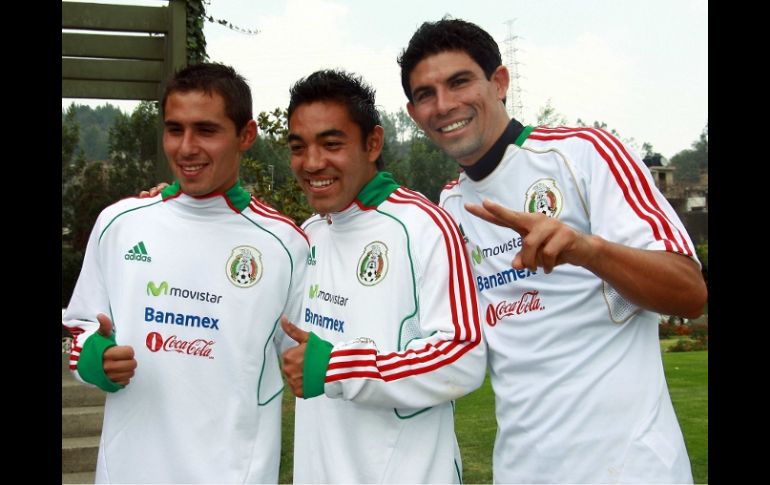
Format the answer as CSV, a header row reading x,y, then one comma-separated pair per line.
x,y
90,363
317,356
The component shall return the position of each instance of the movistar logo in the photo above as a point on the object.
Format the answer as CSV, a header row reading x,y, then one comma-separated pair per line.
x,y
138,253
165,289
477,255
317,293
157,290
311,258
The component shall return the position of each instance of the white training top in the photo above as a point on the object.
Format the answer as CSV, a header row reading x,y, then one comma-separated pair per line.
x,y
196,286
390,286
580,392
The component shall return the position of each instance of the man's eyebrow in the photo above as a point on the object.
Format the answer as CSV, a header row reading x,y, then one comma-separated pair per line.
x,y
420,90
332,132
464,72
452,77
197,124
294,137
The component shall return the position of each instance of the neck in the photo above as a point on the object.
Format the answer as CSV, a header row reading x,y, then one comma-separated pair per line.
x,y
491,159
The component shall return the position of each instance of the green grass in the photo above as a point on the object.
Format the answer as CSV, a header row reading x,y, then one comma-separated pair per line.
x,y
285,473
687,376
475,427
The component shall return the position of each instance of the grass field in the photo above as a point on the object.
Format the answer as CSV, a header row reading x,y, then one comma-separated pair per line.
x,y
687,376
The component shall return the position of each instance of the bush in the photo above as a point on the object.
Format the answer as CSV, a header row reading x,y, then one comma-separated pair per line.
x,y
699,330
682,330
687,345
666,330
71,260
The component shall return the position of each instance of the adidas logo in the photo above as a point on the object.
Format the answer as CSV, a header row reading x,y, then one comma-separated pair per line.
x,y
138,253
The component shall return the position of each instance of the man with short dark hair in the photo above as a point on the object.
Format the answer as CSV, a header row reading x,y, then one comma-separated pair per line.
x,y
195,280
572,323
390,302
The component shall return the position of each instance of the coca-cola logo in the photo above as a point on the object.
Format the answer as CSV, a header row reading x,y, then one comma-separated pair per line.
x,y
197,347
529,302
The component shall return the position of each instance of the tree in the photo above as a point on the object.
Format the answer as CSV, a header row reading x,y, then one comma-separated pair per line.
x,y
701,148
265,168
628,142
650,157
89,187
548,116
430,168
691,162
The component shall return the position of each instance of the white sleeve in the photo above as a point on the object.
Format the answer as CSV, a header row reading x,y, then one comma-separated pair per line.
x,y
293,307
626,206
446,357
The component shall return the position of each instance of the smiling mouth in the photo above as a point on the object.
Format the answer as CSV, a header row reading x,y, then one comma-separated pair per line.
x,y
188,169
319,184
454,126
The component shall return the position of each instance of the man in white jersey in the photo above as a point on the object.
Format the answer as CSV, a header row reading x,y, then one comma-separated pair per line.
x,y
390,304
571,323
195,280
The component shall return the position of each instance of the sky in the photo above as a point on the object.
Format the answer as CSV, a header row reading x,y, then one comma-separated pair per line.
x,y
641,67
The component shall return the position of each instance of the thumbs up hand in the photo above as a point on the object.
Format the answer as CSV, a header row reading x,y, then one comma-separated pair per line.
x,y
294,358
118,361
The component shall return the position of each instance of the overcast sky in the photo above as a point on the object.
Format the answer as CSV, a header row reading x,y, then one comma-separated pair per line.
x,y
639,66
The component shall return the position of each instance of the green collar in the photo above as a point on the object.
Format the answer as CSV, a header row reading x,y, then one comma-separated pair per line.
x,y
236,196
377,190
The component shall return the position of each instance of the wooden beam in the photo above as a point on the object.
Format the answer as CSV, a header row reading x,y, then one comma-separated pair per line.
x,y
112,70
127,18
112,46
109,89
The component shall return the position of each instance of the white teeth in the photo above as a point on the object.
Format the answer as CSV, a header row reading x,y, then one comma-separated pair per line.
x,y
454,126
192,168
320,183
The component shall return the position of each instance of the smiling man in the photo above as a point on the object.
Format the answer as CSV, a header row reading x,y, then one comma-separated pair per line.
x,y
571,296
390,303
195,280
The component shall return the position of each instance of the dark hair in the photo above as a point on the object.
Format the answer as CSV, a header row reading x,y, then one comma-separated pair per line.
x,y
217,78
345,88
449,35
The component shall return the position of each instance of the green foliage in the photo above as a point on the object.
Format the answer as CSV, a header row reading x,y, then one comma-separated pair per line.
x,y
548,116
687,166
689,345
90,186
93,130
71,261
70,134
287,197
265,168
691,162
429,168
412,158
196,40
628,142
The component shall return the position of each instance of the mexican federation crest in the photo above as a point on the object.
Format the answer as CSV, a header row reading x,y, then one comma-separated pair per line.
x,y
373,264
544,197
244,266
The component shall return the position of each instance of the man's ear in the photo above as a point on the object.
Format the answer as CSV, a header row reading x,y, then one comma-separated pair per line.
x,y
375,142
248,136
501,78
410,110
